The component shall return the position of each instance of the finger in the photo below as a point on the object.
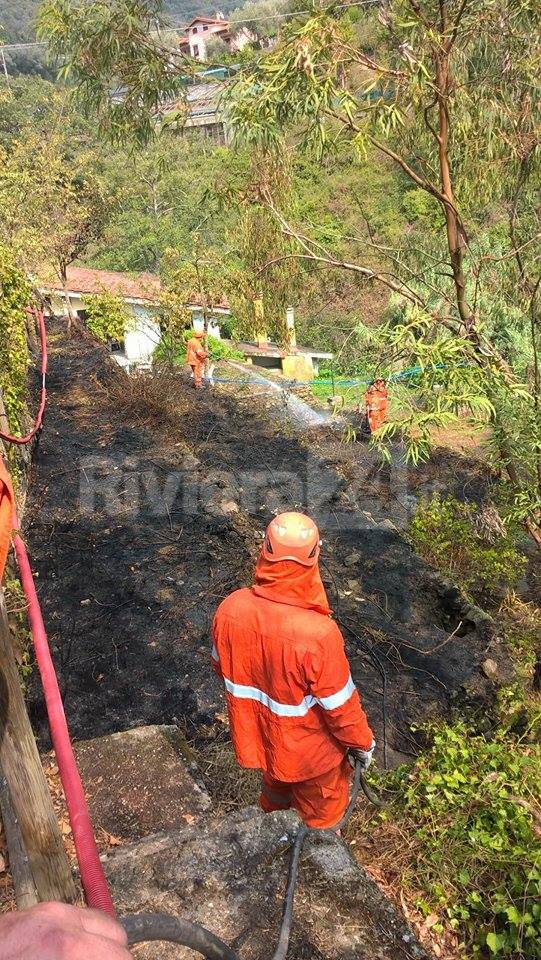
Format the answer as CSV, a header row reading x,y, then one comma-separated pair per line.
x,y
100,925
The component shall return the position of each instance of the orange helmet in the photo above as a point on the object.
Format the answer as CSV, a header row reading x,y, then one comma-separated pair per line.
x,y
292,536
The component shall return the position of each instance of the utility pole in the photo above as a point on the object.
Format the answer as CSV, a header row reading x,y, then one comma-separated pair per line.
x,y
5,67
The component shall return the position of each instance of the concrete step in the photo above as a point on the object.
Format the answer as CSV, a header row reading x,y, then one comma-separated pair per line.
x,y
230,875
140,781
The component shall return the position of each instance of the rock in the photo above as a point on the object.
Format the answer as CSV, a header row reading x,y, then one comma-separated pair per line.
x,y
352,559
229,507
138,782
230,876
387,525
490,668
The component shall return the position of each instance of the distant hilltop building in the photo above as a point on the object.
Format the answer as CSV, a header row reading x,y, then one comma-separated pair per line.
x,y
201,29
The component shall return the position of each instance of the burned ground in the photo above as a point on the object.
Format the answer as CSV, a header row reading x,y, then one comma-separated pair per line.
x,y
147,506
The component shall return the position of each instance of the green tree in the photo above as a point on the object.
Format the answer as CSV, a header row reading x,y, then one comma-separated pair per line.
x,y
436,101
15,296
113,55
51,205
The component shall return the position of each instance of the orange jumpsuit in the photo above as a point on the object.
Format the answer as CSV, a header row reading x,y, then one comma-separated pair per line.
x,y
377,401
6,514
293,707
195,357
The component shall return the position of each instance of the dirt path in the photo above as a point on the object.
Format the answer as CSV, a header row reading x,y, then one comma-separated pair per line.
x,y
136,535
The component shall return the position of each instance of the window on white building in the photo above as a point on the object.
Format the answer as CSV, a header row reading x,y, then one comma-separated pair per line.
x,y
194,30
196,51
205,27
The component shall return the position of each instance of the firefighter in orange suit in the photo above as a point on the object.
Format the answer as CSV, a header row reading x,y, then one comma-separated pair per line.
x,y
376,400
7,505
196,356
294,710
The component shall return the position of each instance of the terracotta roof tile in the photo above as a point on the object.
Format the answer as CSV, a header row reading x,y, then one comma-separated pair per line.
x,y
137,286
206,20
140,286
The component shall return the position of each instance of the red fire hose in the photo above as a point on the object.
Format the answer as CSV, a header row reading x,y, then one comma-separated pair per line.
x,y
43,393
92,876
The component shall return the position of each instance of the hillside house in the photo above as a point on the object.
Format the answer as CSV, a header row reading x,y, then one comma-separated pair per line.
x,y
201,29
201,105
141,294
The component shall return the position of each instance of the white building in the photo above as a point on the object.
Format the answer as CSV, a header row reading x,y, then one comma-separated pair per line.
x,y
141,295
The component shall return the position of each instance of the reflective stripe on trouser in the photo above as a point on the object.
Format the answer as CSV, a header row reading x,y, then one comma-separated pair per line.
x,y
321,802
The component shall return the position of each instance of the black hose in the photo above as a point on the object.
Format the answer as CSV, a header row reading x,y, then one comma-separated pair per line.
x,y
370,795
303,832
287,914
145,927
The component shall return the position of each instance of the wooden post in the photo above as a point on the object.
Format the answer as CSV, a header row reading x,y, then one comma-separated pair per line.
x,y
21,874
29,794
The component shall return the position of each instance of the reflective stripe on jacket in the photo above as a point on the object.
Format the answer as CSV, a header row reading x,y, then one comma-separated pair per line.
x,y
376,399
293,707
195,352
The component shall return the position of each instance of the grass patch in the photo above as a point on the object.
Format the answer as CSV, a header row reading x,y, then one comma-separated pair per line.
x,y
230,786
150,401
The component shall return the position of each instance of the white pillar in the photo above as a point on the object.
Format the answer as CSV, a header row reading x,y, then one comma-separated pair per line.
x,y
290,324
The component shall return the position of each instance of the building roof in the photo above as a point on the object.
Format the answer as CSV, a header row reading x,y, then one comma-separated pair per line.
x,y
135,286
139,286
209,20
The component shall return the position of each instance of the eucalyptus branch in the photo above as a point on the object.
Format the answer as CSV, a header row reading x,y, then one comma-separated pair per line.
x,y
393,256
458,20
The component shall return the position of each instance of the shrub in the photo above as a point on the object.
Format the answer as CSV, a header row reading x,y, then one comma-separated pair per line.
x,y
469,808
172,350
106,316
443,531
14,298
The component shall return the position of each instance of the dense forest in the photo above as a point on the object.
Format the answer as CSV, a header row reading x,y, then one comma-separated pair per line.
x,y
17,20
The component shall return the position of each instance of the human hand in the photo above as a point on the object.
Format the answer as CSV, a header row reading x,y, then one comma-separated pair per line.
x,y
354,755
54,931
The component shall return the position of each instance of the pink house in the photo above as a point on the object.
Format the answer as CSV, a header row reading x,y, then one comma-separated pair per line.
x,y
199,31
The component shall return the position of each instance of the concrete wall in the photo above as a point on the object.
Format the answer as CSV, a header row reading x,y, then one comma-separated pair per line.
x,y
298,366
198,324
141,341
200,37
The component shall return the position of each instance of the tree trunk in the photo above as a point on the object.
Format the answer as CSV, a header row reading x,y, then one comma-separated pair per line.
x,y
21,874
64,278
29,793
455,236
